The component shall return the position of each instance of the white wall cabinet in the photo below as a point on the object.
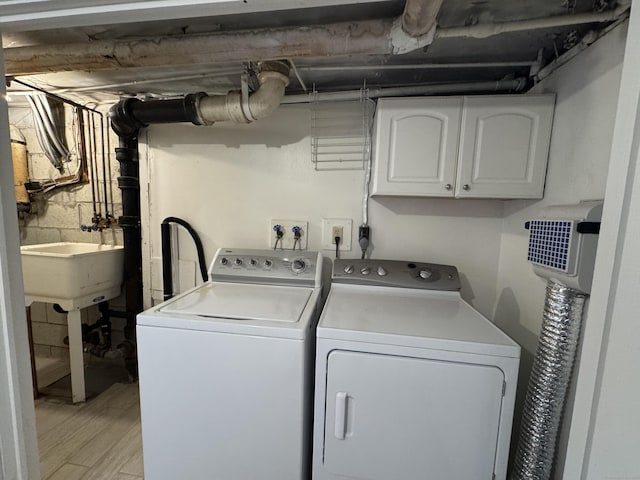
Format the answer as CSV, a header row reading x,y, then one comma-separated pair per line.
x,y
493,146
417,145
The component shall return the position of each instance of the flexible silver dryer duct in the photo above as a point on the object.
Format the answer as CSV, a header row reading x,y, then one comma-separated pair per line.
x,y
549,382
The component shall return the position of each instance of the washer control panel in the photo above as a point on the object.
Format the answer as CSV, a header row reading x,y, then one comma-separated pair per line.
x,y
279,267
395,273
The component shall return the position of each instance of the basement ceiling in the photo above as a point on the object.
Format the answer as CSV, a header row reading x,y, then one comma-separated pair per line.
x,y
446,60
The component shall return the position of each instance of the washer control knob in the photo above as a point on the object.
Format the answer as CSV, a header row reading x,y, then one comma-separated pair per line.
x,y
298,265
224,260
349,269
267,263
253,262
238,261
382,272
365,270
425,274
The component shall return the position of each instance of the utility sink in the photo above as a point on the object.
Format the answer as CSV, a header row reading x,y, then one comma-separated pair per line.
x,y
74,275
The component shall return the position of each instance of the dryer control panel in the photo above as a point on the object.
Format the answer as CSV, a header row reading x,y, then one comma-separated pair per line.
x,y
277,267
395,273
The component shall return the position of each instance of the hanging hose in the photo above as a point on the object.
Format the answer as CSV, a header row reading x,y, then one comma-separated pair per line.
x,y
167,271
549,382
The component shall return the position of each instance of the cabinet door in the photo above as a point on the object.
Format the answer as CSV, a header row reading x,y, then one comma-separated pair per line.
x,y
390,417
416,146
504,146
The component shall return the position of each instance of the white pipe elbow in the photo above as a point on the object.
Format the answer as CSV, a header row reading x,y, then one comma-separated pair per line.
x,y
261,104
268,97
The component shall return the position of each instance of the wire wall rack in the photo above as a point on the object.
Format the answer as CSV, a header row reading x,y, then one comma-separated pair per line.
x,y
341,132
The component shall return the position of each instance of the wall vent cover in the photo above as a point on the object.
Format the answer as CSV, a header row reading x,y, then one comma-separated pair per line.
x,y
550,244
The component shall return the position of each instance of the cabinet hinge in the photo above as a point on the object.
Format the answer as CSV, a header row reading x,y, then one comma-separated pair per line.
x,y
504,391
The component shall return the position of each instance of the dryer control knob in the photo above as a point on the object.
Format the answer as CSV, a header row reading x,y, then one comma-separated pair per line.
x,y
298,265
365,270
238,261
267,263
382,272
224,260
253,262
425,274
349,269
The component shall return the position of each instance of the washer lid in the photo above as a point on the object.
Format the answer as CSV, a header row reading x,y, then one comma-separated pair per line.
x,y
242,302
413,318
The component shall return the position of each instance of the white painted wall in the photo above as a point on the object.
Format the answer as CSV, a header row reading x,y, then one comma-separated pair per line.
x,y
229,180
587,95
613,384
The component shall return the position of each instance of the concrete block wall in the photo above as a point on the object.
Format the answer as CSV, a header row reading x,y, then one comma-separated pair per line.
x,y
59,213
57,217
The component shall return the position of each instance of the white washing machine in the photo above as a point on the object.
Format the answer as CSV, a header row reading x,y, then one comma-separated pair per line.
x,y
411,381
226,371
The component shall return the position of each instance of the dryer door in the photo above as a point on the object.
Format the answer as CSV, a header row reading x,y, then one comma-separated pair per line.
x,y
401,418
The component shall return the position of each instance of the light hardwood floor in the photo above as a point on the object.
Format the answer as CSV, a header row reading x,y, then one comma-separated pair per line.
x,y
98,440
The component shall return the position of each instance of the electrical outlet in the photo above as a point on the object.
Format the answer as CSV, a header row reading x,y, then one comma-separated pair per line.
x,y
288,235
336,227
337,231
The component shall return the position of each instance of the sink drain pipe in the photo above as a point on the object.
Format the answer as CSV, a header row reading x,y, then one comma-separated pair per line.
x,y
130,115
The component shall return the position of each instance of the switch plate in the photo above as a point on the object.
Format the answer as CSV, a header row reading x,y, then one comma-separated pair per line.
x,y
327,233
288,238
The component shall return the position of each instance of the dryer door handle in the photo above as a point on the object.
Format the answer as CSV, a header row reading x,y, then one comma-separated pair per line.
x,y
340,425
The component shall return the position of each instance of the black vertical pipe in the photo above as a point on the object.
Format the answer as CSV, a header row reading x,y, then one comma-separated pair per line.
x,y
129,184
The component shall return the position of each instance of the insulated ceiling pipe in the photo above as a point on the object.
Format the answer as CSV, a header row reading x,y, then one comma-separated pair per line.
x,y
420,16
130,115
367,37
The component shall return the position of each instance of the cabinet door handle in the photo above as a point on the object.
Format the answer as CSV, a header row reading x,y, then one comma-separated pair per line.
x,y
466,186
447,186
340,425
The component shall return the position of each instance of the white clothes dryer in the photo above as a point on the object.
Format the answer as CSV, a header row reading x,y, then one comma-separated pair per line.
x,y
411,381
226,371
